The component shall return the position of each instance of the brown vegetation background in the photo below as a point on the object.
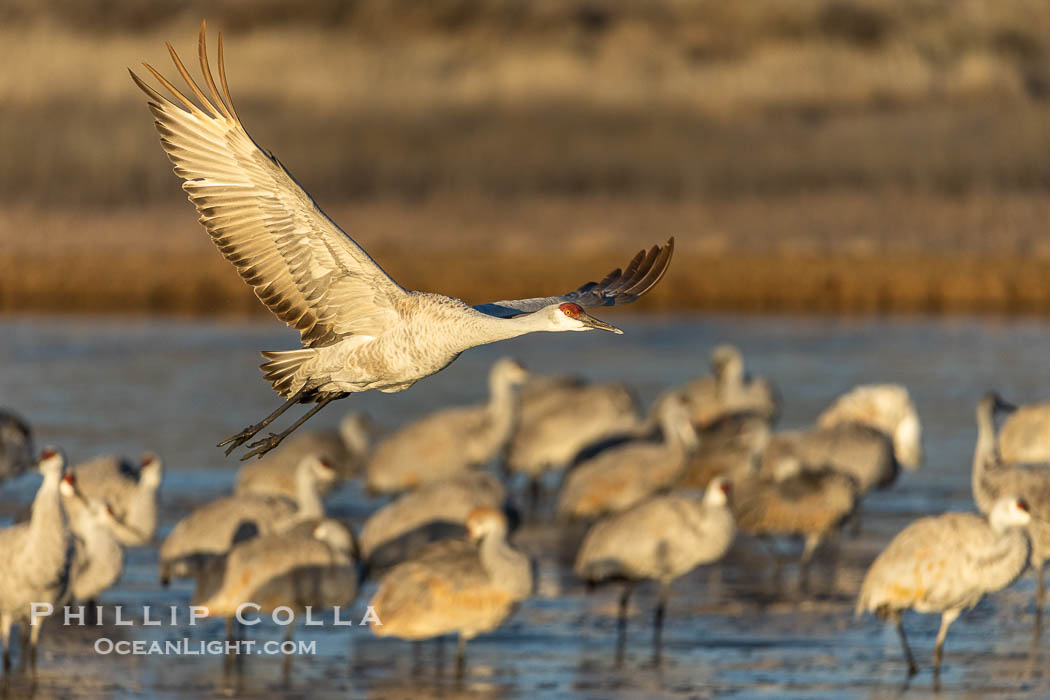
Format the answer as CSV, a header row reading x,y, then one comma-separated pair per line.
x,y
839,155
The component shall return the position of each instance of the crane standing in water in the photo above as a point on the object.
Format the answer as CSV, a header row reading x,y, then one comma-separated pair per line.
x,y
360,329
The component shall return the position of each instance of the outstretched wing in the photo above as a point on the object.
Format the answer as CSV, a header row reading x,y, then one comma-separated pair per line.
x,y
308,272
618,287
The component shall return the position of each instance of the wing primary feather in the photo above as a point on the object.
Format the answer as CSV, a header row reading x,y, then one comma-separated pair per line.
x,y
225,85
656,273
202,51
194,109
155,96
190,81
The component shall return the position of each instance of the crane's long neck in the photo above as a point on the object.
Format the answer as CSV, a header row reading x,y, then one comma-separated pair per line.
x,y
507,568
480,329
678,432
142,511
307,495
49,537
985,455
502,409
729,383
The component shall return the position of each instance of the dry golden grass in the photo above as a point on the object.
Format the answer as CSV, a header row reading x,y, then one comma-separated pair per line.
x,y
838,251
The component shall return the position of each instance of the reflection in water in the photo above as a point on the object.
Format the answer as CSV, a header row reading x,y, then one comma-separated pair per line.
x,y
177,387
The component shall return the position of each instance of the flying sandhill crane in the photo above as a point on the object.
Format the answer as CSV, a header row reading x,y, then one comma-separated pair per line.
x,y
213,528
455,586
346,449
993,479
16,445
621,476
129,490
301,568
99,558
360,329
730,390
1025,435
887,408
946,564
404,526
38,556
560,418
451,440
660,539
795,502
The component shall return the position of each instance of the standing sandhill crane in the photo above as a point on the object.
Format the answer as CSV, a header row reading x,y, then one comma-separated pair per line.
x,y
98,559
1025,435
793,501
16,445
360,329
346,449
449,441
660,539
993,479
455,586
296,569
859,451
730,390
130,492
946,564
38,556
887,408
559,419
621,476
213,528
402,527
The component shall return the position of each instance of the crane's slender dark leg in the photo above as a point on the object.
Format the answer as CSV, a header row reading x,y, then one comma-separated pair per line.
x,y
461,657
912,668
534,497
658,622
1040,590
249,432
265,445
621,623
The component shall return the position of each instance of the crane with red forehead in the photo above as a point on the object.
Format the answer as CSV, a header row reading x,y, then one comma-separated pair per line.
x,y
360,330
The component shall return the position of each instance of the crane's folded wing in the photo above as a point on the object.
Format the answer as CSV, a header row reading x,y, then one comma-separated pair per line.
x,y
616,288
305,269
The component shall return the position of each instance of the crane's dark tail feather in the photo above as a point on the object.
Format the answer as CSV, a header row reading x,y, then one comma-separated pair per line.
x,y
282,368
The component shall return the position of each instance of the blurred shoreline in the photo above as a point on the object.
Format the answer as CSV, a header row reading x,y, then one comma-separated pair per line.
x,y
836,252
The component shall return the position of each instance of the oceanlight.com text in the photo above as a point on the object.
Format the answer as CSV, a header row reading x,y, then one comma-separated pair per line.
x,y
191,647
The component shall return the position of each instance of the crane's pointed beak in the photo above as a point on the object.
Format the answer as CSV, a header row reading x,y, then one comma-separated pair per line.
x,y
592,322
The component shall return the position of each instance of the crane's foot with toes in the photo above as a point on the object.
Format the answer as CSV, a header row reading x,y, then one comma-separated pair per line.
x,y
235,441
263,446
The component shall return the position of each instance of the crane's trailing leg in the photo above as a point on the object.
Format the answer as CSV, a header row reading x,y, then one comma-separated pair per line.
x,y
265,445
912,668
235,441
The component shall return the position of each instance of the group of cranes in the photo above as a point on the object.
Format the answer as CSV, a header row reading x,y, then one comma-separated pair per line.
x,y
72,547
441,553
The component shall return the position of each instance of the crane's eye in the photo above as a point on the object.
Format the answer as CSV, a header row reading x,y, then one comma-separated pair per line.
x,y
571,310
